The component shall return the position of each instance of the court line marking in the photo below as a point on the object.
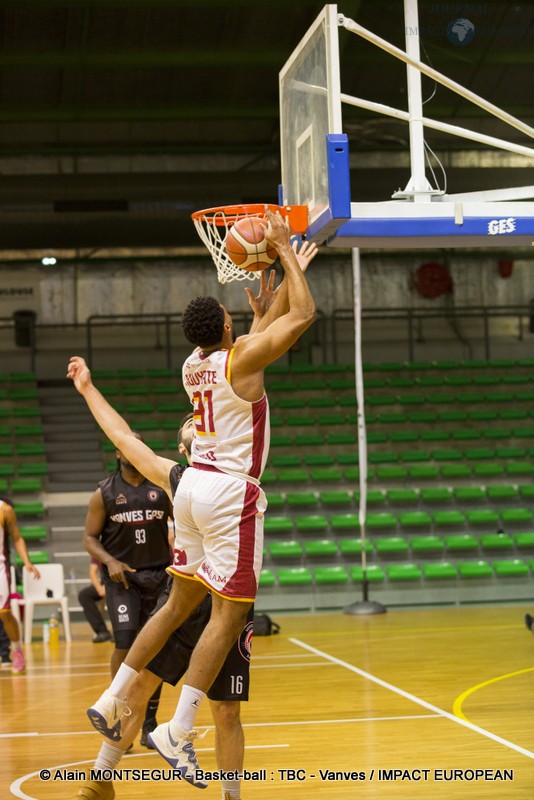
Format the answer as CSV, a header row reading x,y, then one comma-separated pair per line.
x,y
290,723
16,790
390,687
458,703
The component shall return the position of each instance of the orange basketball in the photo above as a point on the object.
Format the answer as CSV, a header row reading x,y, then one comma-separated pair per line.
x,y
247,247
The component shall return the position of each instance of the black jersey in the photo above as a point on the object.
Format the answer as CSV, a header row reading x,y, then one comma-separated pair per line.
x,y
136,529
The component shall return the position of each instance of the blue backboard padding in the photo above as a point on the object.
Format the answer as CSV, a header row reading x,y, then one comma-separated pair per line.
x,y
337,154
431,226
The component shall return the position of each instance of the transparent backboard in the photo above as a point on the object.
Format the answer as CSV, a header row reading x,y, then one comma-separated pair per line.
x,y
310,108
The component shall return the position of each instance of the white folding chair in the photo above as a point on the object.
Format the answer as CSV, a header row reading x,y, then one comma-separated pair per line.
x,y
48,591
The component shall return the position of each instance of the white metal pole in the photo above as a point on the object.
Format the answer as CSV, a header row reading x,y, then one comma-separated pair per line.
x,y
418,184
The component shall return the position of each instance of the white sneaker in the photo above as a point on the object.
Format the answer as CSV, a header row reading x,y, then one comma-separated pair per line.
x,y
178,752
105,715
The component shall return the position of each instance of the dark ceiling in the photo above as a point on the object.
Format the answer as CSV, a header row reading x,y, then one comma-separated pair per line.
x,y
119,118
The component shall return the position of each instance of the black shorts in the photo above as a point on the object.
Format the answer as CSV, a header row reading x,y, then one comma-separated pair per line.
x,y
130,608
172,661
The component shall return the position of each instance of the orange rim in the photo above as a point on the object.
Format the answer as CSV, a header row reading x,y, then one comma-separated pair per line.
x,y
221,215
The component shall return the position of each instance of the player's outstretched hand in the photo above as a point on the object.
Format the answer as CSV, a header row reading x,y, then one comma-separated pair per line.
x,y
261,302
79,373
305,253
276,229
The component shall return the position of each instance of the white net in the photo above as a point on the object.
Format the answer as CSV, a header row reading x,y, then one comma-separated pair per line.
x,y
212,227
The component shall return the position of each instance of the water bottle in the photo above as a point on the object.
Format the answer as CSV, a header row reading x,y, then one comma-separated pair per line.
x,y
54,630
46,633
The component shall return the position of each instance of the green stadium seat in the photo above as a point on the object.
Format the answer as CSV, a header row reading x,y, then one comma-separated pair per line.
x,y
373,573
413,456
345,522
488,470
3,486
33,533
510,452
299,420
415,519
469,494
23,394
402,496
453,415
310,440
448,519
392,418
454,471
333,574
130,374
479,453
441,398
35,556
447,454
375,497
287,549
377,437
28,430
525,432
22,377
483,516
483,415
502,434
267,578
524,541
526,491
382,458
6,450
31,470
391,545
397,382
516,516
434,436
311,385
429,380
139,408
341,438
275,499
460,541
391,472
29,509
318,460
288,402
422,416
426,544
159,372
501,493
280,524
135,391
404,572
324,474
423,472
443,570
353,547
291,476
7,469
381,520
331,419
412,399
353,474
519,468
496,541
285,460
510,568
278,440
26,411
26,485
301,499
336,498
457,380
474,569
513,413
320,548
311,522
347,458
466,434
438,494
298,576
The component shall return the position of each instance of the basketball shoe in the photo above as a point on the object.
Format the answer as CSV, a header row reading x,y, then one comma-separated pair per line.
x,y
178,752
95,790
105,715
19,665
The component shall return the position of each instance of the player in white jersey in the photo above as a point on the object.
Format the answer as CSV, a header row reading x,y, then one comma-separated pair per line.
x,y
9,528
219,505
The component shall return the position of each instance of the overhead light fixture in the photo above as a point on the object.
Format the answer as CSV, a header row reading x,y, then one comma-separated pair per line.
x,y
48,261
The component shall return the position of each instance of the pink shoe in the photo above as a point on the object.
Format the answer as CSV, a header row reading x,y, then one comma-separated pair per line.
x,y
19,665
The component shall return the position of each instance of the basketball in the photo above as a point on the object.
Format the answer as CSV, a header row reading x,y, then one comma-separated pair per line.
x,y
247,247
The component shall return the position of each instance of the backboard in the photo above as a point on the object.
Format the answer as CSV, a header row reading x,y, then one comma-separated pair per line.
x,y
315,157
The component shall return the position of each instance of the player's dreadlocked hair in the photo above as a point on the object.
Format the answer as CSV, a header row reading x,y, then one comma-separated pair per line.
x,y
203,322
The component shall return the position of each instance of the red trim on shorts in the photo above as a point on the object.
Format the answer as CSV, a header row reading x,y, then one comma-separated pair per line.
x,y
243,584
208,468
259,421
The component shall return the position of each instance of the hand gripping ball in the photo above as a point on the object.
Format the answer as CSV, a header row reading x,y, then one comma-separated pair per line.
x,y
247,247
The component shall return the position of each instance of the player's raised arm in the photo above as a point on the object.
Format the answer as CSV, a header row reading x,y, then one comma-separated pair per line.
x,y
153,467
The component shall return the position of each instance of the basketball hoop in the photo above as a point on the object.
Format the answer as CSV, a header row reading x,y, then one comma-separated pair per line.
x,y
213,224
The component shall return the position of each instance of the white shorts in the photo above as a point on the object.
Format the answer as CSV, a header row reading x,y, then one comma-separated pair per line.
x,y
219,532
5,587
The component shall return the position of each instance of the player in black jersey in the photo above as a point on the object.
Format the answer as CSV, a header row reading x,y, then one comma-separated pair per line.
x,y
228,690
126,529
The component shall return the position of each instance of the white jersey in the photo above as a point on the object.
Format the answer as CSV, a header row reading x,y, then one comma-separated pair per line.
x,y
231,434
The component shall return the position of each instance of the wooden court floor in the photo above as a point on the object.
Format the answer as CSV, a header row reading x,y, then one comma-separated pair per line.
x,y
433,703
